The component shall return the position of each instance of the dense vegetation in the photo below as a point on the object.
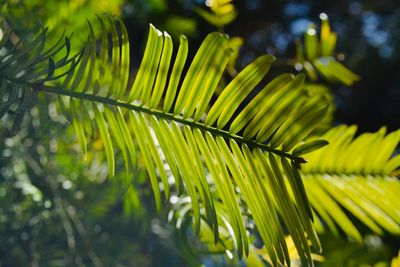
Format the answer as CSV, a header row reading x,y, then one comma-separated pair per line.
x,y
195,155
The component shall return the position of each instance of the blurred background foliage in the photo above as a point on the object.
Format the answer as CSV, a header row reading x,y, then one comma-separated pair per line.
x,y
57,209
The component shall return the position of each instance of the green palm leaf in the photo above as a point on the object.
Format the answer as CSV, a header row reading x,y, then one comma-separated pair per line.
x,y
317,55
22,69
237,143
358,177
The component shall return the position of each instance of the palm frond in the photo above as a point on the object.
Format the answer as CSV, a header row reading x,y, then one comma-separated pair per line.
x,y
23,67
222,12
358,177
316,55
327,123
237,143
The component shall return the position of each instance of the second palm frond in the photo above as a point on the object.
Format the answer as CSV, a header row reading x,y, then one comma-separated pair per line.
x,y
358,177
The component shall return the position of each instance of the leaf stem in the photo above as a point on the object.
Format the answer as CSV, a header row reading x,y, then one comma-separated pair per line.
x,y
172,117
